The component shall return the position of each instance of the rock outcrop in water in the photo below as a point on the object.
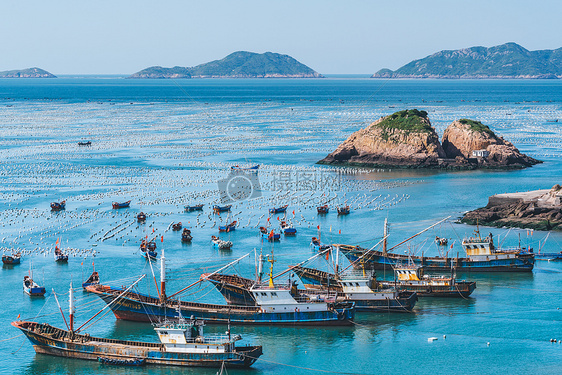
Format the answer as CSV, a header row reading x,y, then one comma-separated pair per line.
x,y
539,209
27,73
406,139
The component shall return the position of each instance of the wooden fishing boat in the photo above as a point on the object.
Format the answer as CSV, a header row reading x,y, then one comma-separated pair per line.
x,y
317,245
31,288
222,245
270,234
275,306
176,226
229,227
239,168
58,206
197,207
218,209
186,235
288,229
117,205
11,259
278,210
344,210
94,279
85,143
148,249
141,217
182,343
60,256
323,209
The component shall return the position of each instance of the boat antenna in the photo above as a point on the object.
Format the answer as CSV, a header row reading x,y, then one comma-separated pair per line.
x,y
385,234
162,274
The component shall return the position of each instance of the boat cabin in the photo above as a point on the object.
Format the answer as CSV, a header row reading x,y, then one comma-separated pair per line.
x,y
359,287
479,246
283,299
186,337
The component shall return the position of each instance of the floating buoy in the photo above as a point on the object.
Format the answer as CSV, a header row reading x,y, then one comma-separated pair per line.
x,y
431,339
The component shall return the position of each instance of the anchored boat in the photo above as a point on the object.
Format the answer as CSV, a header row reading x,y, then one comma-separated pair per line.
x,y
12,259
288,229
186,235
58,206
229,227
181,344
31,288
197,207
141,217
278,210
117,205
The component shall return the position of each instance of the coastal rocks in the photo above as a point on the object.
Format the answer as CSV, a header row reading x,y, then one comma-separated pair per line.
x,y
27,73
406,139
403,139
538,209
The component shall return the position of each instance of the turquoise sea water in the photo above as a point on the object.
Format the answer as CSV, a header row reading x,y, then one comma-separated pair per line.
x,y
164,144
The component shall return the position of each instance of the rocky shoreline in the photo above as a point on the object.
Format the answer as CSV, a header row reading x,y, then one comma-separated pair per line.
x,y
406,139
538,209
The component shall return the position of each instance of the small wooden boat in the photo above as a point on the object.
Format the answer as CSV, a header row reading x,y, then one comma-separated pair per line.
x,y
141,217
58,206
148,249
323,209
222,245
94,279
176,226
270,234
218,209
87,143
60,257
186,235
315,242
228,228
197,207
12,259
278,210
31,288
288,229
121,205
344,210
239,168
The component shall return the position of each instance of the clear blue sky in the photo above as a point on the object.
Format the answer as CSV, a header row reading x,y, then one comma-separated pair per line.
x,y
347,36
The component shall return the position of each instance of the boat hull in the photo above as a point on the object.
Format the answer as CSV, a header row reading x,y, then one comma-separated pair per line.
x,y
459,289
90,348
142,308
404,303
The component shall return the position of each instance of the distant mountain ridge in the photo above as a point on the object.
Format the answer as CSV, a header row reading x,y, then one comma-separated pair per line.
x,y
27,73
239,64
508,60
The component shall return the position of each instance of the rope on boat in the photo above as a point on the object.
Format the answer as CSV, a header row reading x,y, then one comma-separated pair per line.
x,y
11,338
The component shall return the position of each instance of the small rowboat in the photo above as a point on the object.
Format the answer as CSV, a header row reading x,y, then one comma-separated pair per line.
x,y
186,235
122,362
141,217
270,235
11,259
344,210
288,229
148,249
177,226
218,209
60,257
88,143
222,245
323,209
197,207
121,205
94,279
239,168
228,228
58,206
278,210
32,288
318,245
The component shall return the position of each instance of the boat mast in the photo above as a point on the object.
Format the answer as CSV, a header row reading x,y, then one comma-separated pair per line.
x,y
71,308
162,276
385,234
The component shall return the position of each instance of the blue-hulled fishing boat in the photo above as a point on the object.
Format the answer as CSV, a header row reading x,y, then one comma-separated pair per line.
x,y
229,227
278,210
148,249
11,259
117,205
60,256
270,234
197,207
344,210
239,168
31,288
288,229
318,245
218,209
323,209
221,244
85,143
58,206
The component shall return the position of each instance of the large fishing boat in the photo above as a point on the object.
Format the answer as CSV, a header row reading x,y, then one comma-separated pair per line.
x,y
276,306
482,256
181,344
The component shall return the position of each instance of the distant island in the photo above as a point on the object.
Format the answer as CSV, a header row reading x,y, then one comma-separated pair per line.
x,y
237,65
406,139
27,73
508,60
